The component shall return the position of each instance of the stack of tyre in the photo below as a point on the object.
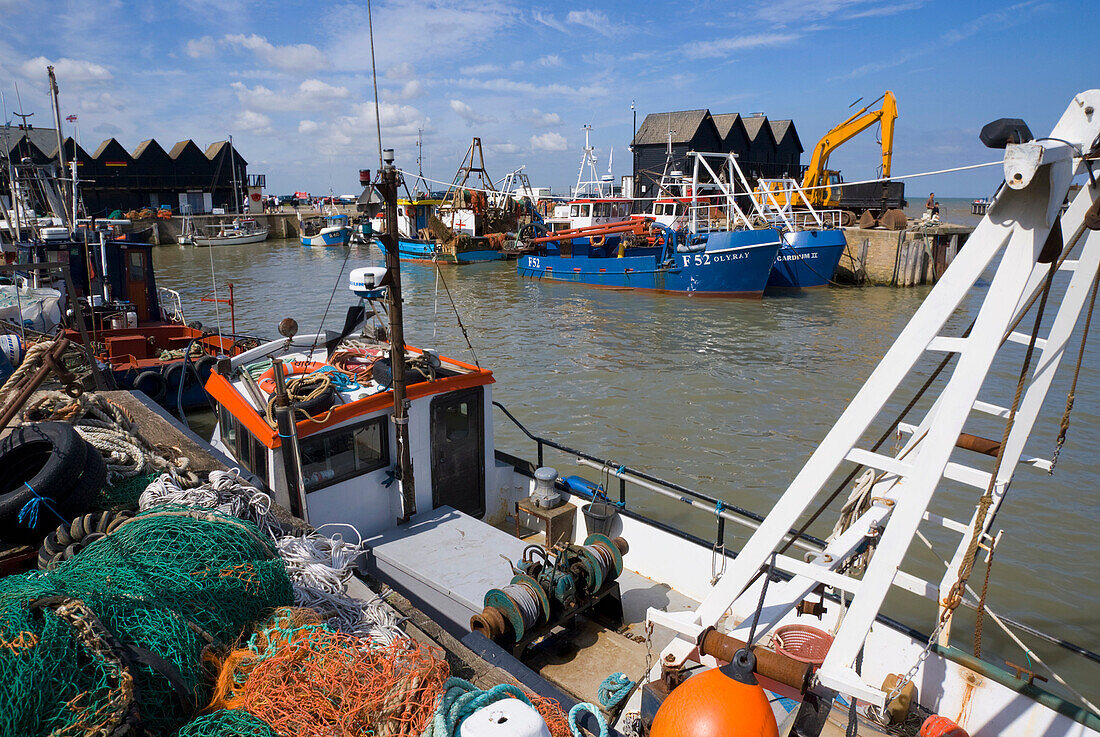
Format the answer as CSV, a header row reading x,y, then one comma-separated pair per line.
x,y
49,475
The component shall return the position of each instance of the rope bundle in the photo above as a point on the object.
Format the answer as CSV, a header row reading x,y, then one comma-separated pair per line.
x,y
113,432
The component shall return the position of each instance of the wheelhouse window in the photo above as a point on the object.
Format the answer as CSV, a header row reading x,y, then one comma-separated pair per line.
x,y
574,211
343,454
246,447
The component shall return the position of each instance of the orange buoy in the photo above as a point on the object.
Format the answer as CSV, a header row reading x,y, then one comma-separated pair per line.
x,y
721,702
937,726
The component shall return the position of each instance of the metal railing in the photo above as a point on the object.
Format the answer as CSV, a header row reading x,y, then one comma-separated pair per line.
x,y
629,476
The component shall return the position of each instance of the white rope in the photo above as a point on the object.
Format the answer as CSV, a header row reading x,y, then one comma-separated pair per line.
x,y
319,565
804,189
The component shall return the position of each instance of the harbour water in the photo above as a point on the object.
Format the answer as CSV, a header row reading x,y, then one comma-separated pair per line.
x,y
728,397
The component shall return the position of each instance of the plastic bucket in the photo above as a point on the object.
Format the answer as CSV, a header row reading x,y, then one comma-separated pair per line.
x,y
598,517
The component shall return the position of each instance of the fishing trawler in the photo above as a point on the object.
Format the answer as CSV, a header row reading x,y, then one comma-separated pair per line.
x,y
793,614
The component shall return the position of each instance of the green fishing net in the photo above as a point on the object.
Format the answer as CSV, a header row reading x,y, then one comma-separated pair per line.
x,y
124,493
226,723
117,634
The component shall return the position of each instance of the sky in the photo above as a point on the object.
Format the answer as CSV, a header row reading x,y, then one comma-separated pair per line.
x,y
292,82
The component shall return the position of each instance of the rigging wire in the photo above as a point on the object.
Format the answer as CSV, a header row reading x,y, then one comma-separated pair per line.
x,y
804,189
335,286
458,317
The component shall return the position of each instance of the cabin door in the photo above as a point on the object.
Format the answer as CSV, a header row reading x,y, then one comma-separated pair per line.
x,y
135,282
458,455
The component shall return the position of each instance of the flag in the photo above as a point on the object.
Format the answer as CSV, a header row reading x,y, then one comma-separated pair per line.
x,y
71,118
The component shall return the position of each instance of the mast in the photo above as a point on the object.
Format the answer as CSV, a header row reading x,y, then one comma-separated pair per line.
x,y
388,187
65,188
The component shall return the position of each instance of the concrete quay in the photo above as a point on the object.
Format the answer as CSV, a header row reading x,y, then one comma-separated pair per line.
x,y
900,258
283,224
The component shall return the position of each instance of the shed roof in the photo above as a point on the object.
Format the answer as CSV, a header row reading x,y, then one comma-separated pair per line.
x,y
782,129
724,122
148,146
683,123
215,149
754,124
44,139
180,147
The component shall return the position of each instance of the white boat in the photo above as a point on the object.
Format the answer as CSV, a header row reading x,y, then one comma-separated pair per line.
x,y
670,604
237,233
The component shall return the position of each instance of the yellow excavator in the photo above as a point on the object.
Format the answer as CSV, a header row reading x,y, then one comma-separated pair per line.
x,y
879,202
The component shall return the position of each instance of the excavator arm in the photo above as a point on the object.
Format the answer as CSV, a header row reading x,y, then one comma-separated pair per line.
x,y
817,172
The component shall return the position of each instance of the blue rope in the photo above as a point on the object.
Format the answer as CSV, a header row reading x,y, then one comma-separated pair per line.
x,y
340,380
28,515
461,699
614,689
575,712
719,507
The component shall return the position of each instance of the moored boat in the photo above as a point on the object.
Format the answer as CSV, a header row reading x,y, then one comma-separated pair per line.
x,y
813,242
239,232
325,231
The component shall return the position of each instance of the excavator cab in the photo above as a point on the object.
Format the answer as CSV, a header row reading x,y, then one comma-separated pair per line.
x,y
835,191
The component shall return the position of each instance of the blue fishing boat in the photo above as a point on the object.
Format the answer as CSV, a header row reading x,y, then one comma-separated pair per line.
x,y
719,263
325,231
807,258
813,242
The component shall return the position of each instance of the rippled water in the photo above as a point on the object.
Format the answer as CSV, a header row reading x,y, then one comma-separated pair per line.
x,y
727,397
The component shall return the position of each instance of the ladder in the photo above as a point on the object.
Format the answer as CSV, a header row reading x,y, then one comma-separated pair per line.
x,y
1011,238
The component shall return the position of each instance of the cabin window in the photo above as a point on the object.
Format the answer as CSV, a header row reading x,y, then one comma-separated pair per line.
x,y
343,454
137,265
228,429
586,211
574,211
603,210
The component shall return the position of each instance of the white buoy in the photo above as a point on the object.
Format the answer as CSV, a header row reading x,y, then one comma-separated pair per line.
x,y
365,282
506,718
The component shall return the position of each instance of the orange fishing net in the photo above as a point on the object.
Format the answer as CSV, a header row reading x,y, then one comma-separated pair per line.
x,y
304,679
551,712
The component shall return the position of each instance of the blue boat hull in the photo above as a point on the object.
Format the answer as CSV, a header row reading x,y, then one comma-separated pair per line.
x,y
328,238
428,251
724,263
808,258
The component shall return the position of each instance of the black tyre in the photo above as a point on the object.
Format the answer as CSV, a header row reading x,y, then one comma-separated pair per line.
x,y
317,405
48,457
152,384
205,366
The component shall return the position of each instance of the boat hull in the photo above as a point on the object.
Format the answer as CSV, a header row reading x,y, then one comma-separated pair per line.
x,y
328,237
232,240
807,258
421,251
725,263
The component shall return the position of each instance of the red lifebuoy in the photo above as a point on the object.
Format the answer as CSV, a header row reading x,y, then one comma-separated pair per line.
x,y
295,368
598,240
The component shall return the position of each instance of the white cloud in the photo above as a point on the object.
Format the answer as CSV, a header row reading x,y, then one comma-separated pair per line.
x,y
548,20
471,116
71,71
253,122
352,133
799,12
598,22
289,58
401,71
309,93
527,88
104,102
412,88
724,46
549,142
455,28
550,60
540,119
503,148
476,69
197,48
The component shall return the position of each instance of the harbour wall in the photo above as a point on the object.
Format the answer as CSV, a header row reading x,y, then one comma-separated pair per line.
x,y
281,224
900,258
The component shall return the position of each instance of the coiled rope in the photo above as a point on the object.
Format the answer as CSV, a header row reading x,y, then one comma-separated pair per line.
x,y
460,699
614,689
304,389
575,712
113,432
